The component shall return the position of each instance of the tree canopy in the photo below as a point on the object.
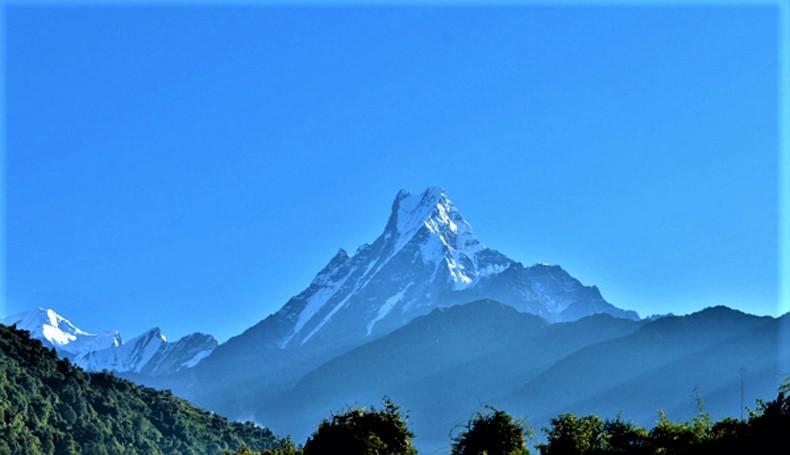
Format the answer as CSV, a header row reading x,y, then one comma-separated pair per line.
x,y
364,432
49,406
493,433
763,432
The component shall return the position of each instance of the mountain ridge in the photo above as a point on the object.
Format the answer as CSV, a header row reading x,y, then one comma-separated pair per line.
x,y
441,367
148,353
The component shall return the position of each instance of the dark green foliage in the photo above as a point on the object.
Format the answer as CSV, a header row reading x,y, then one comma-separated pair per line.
x,y
765,432
569,434
679,437
494,433
590,435
287,448
48,406
625,437
363,432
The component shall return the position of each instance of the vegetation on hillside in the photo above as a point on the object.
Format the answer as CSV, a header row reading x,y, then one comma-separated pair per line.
x,y
49,406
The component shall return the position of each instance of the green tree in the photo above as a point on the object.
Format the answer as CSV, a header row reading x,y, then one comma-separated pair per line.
x,y
492,433
625,438
568,434
672,438
768,426
363,432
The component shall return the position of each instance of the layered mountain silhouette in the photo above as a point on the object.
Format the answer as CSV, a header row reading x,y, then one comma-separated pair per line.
x,y
445,365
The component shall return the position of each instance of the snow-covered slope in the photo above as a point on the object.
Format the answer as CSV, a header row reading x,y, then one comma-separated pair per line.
x,y
427,250
426,258
149,353
56,331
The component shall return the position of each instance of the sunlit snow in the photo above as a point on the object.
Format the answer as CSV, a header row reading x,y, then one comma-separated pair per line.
x,y
446,245
385,309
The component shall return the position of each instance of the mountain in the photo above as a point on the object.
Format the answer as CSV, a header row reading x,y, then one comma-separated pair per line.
x,y
430,316
426,258
149,353
663,365
51,406
56,331
443,365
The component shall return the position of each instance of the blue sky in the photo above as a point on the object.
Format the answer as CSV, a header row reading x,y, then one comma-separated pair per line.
x,y
194,167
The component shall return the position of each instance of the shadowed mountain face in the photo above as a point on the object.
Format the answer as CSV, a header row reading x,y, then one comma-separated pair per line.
x,y
444,365
427,258
662,365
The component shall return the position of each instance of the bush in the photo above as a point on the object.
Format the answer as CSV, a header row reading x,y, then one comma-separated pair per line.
x,y
363,432
569,434
494,433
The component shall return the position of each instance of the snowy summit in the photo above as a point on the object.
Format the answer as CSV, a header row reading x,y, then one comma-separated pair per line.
x,y
58,332
427,257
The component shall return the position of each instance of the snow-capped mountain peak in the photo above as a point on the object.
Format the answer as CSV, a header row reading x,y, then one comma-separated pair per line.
x,y
57,331
431,210
427,257
151,353
148,353
444,238
427,247
329,274
411,212
152,334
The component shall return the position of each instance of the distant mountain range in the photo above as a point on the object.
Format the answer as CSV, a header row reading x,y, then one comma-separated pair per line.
x,y
430,316
149,354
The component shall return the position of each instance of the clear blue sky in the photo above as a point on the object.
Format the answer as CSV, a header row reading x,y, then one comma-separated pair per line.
x,y
193,168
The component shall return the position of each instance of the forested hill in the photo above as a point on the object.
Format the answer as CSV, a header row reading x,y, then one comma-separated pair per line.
x,y
49,406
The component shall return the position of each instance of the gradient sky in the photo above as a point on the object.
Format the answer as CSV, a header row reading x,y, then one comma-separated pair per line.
x,y
193,168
